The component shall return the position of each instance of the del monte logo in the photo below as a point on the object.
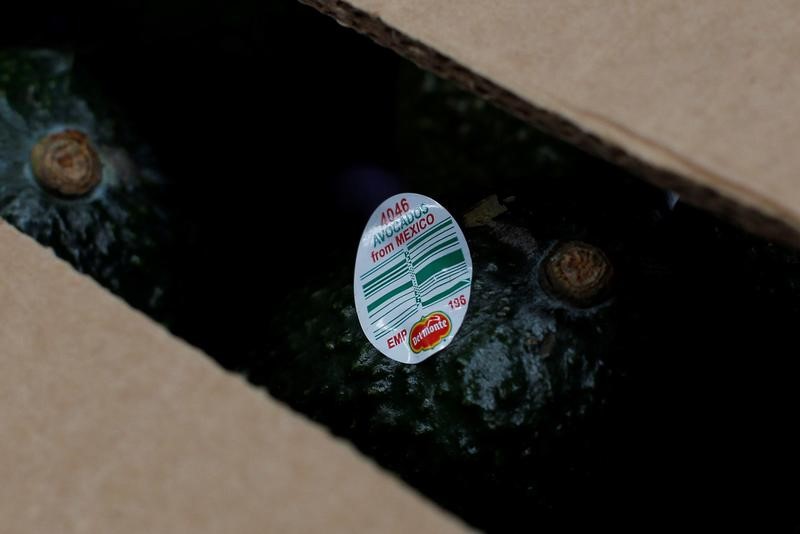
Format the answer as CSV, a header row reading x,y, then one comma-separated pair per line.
x,y
429,331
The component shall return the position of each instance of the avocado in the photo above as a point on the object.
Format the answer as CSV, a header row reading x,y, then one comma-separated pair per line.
x,y
76,180
611,359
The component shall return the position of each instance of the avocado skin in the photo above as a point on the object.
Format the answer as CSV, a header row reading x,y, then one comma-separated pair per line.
x,y
498,410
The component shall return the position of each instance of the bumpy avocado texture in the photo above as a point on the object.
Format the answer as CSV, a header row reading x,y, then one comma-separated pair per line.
x,y
492,410
118,231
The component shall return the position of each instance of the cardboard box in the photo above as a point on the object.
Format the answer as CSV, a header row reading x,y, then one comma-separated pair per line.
x,y
112,425
117,426
695,97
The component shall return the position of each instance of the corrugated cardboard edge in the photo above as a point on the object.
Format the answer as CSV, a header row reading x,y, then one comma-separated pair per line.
x,y
597,135
110,424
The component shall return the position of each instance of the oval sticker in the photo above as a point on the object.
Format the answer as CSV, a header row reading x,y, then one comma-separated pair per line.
x,y
412,278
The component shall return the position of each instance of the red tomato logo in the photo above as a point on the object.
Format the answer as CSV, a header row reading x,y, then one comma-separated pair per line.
x,y
429,331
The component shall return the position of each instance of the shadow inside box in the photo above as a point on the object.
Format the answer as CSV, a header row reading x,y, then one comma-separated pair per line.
x,y
280,132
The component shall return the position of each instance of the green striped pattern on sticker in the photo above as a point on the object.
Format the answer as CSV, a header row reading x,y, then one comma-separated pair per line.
x,y
431,269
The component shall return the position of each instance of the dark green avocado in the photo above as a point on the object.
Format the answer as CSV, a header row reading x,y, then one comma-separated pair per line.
x,y
495,426
498,410
71,178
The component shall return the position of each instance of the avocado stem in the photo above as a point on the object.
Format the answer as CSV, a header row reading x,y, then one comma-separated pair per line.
x,y
66,163
578,273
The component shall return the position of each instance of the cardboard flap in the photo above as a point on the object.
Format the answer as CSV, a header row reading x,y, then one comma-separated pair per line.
x,y
110,424
700,97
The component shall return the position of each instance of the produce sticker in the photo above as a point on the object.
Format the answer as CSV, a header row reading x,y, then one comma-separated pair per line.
x,y
412,278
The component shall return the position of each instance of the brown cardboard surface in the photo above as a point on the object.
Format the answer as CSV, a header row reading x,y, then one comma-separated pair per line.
x,y
110,424
698,96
